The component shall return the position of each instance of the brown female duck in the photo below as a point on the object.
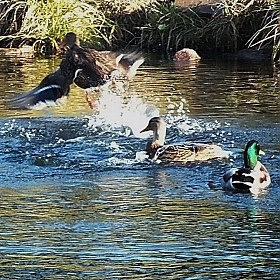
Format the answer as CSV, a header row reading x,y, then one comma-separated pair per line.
x,y
180,153
85,67
107,65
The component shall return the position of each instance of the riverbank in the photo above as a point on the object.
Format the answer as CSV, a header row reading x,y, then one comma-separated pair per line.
x,y
225,26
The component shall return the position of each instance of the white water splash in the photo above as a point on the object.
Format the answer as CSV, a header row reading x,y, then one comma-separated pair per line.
x,y
120,111
130,114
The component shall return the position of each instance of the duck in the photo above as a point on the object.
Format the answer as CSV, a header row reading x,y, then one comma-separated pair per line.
x,y
252,176
87,68
107,65
158,151
53,88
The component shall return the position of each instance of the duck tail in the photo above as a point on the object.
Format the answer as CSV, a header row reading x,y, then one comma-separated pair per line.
x,y
129,63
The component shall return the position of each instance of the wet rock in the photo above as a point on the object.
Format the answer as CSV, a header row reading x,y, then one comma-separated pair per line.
x,y
186,54
255,55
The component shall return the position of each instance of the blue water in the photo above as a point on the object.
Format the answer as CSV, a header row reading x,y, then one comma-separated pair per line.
x,y
78,202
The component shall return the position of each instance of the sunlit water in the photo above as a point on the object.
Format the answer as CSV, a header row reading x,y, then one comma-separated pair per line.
x,y
78,203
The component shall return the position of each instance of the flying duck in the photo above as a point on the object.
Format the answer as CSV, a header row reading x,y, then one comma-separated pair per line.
x,y
86,68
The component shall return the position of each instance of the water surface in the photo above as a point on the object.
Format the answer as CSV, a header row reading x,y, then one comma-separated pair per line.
x,y
76,203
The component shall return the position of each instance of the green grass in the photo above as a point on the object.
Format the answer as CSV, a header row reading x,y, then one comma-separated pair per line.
x,y
148,24
269,32
47,22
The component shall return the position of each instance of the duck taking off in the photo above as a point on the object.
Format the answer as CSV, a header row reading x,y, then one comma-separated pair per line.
x,y
86,68
252,177
157,150
99,67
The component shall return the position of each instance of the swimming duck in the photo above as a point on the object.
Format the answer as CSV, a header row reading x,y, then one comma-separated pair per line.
x,y
181,153
252,177
86,68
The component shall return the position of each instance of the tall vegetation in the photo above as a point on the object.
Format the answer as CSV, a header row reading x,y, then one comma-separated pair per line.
x,y
149,24
234,24
269,30
171,27
45,22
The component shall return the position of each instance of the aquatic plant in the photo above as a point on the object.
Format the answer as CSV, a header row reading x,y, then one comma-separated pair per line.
x,y
11,16
228,28
149,24
269,32
238,22
170,27
45,22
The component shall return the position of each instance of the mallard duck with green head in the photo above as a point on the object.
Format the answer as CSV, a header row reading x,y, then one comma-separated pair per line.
x,y
252,177
157,150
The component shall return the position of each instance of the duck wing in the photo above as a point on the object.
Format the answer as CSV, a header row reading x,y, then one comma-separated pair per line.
x,y
175,153
129,63
239,179
51,88
126,63
97,68
243,180
190,152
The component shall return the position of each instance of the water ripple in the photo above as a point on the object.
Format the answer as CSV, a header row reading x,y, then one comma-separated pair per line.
x,y
77,202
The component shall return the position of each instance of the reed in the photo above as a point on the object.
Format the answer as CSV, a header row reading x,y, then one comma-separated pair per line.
x,y
238,23
11,16
235,23
169,27
46,22
148,24
269,32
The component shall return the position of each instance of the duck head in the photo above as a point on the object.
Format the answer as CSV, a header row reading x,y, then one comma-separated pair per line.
x,y
251,153
70,40
158,126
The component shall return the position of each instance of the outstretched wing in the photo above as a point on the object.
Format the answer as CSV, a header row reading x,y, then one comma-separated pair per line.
x,y
51,88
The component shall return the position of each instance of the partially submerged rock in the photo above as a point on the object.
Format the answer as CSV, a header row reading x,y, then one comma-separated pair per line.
x,y
186,54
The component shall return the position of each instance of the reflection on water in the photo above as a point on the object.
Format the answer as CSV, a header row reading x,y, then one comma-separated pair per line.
x,y
77,204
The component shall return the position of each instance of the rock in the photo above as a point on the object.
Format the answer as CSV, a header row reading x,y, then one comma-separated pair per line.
x,y
186,54
253,55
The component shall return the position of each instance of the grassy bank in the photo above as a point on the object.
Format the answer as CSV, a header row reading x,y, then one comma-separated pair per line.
x,y
147,24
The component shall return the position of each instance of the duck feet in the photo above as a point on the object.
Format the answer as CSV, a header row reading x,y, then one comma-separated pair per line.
x,y
89,100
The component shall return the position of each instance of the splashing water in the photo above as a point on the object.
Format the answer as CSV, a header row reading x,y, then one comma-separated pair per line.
x,y
119,111
114,111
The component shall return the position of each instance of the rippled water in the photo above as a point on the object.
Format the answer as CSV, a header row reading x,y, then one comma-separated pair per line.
x,y
76,202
